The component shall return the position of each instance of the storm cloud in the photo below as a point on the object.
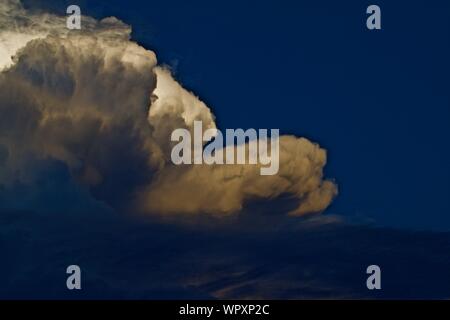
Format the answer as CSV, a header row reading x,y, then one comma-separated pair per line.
x,y
88,113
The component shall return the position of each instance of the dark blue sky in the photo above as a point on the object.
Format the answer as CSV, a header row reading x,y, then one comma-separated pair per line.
x,y
378,101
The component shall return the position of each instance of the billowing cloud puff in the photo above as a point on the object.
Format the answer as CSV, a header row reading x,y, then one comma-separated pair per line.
x,y
225,188
97,104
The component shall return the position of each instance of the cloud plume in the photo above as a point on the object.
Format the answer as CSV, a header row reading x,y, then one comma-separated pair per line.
x,y
96,105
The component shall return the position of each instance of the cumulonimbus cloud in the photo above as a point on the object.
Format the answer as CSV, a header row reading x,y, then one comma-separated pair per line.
x,y
99,104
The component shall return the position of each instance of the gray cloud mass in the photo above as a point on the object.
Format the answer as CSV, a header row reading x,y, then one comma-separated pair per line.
x,y
92,112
